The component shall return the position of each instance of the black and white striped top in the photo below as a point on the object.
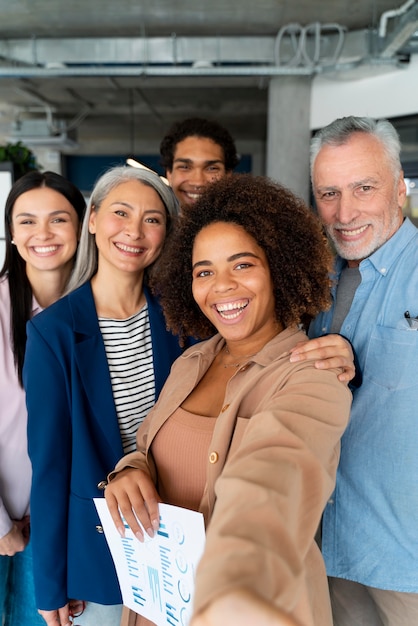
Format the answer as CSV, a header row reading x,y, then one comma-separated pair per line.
x,y
129,355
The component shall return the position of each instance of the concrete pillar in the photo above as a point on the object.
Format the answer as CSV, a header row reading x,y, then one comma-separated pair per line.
x,y
288,132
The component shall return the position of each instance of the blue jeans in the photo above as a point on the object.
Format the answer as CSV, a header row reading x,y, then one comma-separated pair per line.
x,y
100,615
17,592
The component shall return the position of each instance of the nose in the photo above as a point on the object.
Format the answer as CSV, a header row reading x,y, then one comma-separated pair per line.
x,y
43,231
224,281
347,209
134,229
197,177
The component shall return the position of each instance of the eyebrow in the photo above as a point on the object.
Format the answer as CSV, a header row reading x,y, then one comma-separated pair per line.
x,y
53,213
234,257
353,185
129,206
190,161
365,181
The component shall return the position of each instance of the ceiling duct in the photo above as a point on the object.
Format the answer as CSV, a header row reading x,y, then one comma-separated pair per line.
x,y
38,133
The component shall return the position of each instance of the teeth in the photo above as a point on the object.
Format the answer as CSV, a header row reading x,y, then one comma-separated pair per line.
x,y
231,310
353,233
230,315
131,249
231,306
45,249
194,196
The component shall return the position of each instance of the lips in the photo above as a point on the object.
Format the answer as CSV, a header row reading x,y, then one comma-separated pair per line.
x,y
192,196
130,249
231,310
45,249
353,232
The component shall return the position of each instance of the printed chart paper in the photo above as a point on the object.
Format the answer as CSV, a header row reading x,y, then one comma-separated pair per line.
x,y
157,577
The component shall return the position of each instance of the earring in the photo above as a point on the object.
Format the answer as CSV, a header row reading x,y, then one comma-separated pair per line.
x,y
13,242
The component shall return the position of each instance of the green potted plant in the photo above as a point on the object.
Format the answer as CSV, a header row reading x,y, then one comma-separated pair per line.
x,y
22,158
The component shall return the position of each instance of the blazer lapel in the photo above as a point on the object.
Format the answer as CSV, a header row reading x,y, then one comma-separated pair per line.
x,y
91,362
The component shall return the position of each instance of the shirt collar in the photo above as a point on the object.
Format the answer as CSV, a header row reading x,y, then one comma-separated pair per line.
x,y
273,350
36,307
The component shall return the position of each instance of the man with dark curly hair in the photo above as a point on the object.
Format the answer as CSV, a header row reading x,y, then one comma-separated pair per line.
x,y
239,432
194,153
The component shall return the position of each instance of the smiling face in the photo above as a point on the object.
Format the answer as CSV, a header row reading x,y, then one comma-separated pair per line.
x,y
197,162
359,199
130,228
233,287
45,228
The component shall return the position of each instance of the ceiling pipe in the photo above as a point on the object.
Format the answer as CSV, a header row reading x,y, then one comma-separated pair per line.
x,y
48,72
393,13
178,71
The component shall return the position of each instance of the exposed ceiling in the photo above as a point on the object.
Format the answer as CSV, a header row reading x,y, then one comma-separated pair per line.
x,y
101,18
130,68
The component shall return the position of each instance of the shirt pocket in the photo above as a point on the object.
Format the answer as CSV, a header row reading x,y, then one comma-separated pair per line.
x,y
392,358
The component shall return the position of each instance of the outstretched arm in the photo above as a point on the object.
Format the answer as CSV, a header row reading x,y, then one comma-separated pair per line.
x,y
241,608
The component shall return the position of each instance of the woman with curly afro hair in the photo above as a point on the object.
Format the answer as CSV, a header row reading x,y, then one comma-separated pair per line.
x,y
240,432
297,254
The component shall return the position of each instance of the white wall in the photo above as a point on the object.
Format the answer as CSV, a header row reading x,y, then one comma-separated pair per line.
x,y
5,184
382,93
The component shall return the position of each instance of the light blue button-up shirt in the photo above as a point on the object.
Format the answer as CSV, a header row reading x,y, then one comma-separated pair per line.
x,y
370,525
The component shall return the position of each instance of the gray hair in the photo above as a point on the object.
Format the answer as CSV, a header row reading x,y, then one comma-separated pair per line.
x,y
86,262
339,132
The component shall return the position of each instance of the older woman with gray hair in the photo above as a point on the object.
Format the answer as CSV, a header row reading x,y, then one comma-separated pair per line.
x,y
95,363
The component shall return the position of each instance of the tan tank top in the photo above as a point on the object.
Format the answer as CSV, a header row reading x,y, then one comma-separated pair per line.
x,y
180,450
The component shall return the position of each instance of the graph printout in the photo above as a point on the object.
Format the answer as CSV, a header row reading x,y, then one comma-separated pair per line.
x,y
157,577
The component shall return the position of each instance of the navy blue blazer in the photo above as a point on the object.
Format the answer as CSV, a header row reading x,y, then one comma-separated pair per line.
x,y
74,441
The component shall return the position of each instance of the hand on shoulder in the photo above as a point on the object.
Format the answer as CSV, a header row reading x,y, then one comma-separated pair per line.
x,y
329,351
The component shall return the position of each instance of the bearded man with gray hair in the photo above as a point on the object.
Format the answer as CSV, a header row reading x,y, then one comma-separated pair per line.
x,y
370,525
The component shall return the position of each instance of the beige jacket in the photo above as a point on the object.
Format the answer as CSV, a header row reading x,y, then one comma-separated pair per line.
x,y
270,470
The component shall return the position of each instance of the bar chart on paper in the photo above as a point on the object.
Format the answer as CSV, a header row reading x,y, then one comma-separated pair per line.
x,y
157,576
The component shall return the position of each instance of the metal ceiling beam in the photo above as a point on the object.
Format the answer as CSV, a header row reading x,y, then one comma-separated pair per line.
x,y
295,51
303,52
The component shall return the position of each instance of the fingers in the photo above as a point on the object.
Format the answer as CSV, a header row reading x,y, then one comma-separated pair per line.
x,y
13,542
76,607
322,348
347,374
347,367
328,352
24,528
59,617
132,495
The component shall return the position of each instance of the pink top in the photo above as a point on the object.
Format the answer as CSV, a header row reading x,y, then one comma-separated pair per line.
x,y
180,450
15,467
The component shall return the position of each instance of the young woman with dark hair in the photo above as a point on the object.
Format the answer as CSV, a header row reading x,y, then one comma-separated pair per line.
x,y
43,214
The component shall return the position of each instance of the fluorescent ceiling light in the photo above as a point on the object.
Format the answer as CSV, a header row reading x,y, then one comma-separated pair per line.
x,y
134,163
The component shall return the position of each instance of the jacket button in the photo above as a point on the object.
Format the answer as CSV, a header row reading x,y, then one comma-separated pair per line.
x,y
213,457
102,485
99,529
225,408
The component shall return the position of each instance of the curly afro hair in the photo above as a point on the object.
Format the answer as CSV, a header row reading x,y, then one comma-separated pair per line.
x,y
291,236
